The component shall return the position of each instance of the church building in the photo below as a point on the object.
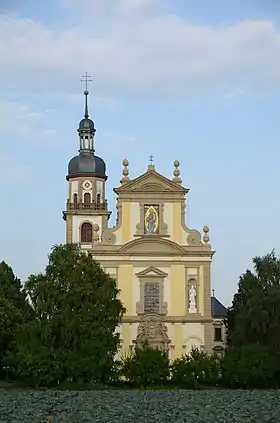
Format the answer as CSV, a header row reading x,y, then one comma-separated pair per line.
x,y
162,267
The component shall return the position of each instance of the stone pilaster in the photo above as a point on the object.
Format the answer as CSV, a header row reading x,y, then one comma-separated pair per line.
x,y
208,327
69,226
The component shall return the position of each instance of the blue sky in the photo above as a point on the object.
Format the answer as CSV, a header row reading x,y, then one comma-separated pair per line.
x,y
192,80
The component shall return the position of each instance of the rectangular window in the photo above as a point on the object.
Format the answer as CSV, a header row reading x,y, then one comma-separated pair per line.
x,y
151,297
218,335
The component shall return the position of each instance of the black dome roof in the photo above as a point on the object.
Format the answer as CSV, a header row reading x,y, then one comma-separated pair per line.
x,y
87,164
86,124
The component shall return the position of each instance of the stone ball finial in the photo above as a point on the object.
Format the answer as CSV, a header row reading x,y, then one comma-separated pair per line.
x,y
125,171
176,172
206,236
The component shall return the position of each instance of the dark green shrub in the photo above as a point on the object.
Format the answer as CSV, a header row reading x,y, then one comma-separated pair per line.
x,y
146,366
196,370
248,367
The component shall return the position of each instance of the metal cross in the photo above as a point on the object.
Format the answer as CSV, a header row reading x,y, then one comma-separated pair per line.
x,y
86,79
151,159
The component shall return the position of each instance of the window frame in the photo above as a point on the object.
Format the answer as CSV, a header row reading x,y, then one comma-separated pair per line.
x,y
88,230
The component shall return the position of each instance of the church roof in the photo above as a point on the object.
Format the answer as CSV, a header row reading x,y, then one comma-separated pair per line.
x,y
218,309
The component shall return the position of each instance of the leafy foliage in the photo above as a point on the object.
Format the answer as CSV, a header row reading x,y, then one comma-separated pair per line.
x,y
11,288
9,319
73,334
14,309
195,370
249,366
254,316
146,366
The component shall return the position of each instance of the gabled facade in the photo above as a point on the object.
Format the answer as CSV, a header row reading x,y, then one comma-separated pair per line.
x,y
162,267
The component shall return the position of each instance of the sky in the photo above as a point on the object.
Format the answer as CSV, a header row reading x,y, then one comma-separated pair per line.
x,y
193,80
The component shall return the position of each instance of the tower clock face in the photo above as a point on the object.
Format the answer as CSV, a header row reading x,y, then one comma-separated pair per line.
x,y
87,185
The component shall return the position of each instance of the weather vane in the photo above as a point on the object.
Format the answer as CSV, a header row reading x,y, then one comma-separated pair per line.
x,y
86,79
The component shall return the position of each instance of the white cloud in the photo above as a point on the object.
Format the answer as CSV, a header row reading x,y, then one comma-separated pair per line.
x,y
21,119
157,54
11,172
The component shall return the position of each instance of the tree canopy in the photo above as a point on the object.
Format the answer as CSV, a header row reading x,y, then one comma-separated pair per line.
x,y
11,288
77,311
14,308
254,317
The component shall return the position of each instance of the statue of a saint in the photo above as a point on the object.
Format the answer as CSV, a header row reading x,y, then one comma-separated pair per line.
x,y
192,300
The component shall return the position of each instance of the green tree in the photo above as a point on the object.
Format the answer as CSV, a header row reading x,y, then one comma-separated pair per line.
x,y
249,367
12,290
10,317
77,311
146,366
254,316
14,308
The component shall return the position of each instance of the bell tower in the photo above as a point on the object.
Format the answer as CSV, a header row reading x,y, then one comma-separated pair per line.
x,y
86,213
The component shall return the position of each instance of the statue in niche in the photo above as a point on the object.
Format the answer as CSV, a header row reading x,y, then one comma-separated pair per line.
x,y
192,300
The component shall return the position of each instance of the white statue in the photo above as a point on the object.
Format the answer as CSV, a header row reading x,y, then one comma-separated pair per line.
x,y
192,300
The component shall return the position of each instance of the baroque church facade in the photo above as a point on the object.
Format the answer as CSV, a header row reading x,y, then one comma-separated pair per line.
x,y
162,267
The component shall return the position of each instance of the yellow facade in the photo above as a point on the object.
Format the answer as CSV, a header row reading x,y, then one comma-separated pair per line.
x,y
162,267
126,219
176,217
125,284
160,264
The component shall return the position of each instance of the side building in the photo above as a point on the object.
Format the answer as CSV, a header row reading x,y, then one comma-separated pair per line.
x,y
162,267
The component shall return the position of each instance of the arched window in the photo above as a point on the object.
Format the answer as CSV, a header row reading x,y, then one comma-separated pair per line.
x,y
86,232
87,199
75,200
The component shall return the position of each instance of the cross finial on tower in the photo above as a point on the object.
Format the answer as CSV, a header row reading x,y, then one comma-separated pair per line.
x,y
151,159
86,79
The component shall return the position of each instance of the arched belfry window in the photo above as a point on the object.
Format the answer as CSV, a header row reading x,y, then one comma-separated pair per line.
x,y
86,232
87,199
